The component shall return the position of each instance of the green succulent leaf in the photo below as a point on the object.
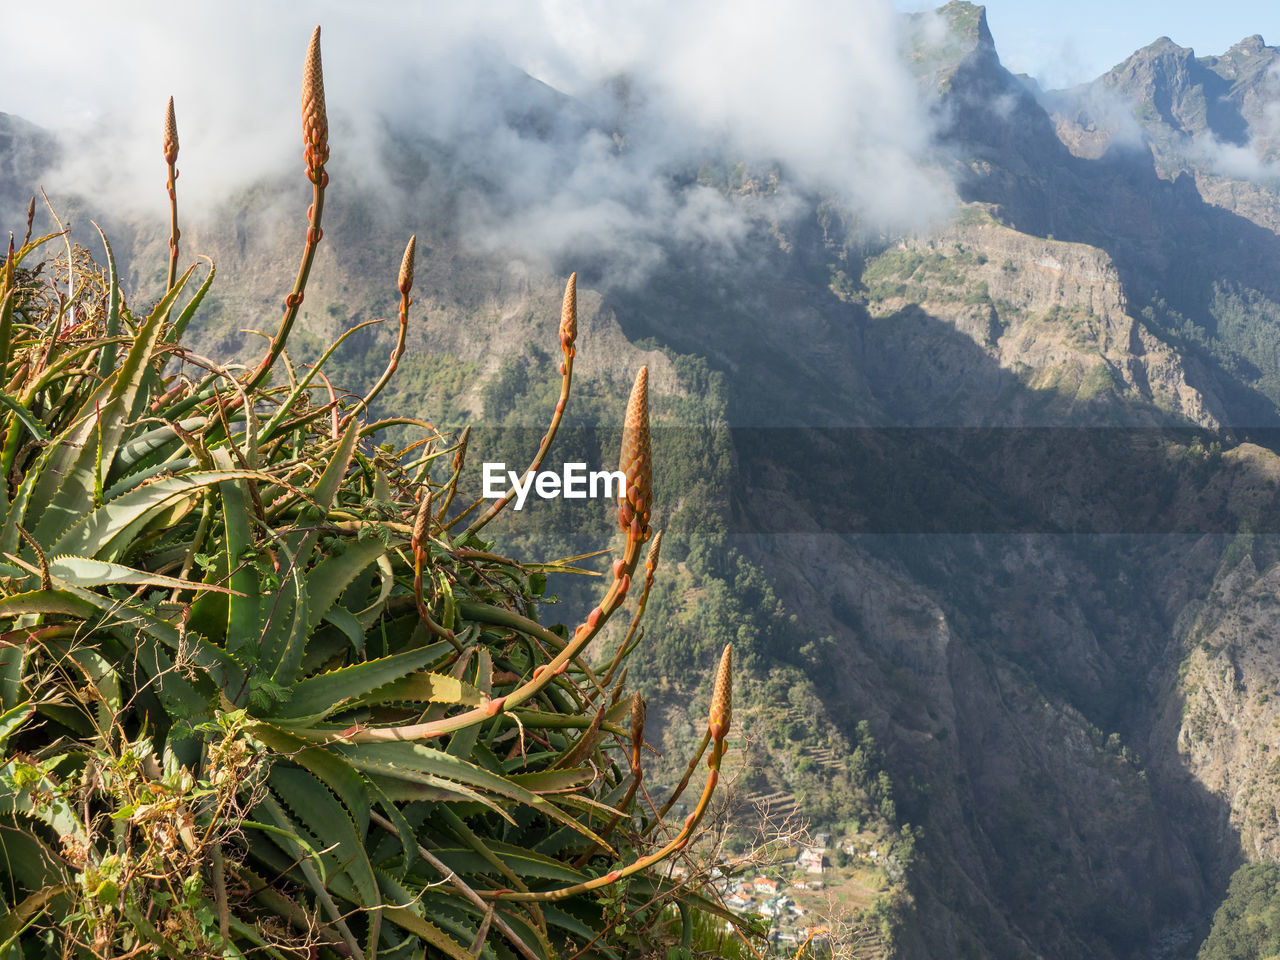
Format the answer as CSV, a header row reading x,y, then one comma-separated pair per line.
x,y
385,680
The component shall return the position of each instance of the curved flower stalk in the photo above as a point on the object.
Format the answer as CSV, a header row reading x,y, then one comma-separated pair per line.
x,y
718,724
633,517
632,636
404,283
315,136
568,350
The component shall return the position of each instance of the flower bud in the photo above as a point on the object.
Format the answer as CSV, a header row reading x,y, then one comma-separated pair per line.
x,y
569,315
315,122
405,281
722,697
636,462
170,135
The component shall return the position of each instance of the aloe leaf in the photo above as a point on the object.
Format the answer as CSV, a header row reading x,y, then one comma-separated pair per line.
x,y
408,786
178,465
426,688
345,620
25,913
180,325
107,359
93,534
329,578
302,544
15,514
566,921
178,696
34,427
87,572
459,918
69,477
285,632
408,760
29,860
553,781
51,809
285,832
519,925
387,582
338,775
329,821
327,693
312,867
224,668
523,863
12,719
244,612
406,919
32,245
46,601
134,453
5,504
404,832
463,742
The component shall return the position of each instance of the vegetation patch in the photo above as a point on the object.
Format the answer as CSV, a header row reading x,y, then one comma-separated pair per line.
x,y
268,690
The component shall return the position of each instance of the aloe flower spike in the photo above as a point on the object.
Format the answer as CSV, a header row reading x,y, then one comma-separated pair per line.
x,y
171,158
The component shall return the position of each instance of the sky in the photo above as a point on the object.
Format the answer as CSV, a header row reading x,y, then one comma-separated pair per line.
x,y
1063,44
821,90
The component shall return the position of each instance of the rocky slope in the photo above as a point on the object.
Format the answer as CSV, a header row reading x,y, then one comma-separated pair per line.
x,y
1221,714
1053,313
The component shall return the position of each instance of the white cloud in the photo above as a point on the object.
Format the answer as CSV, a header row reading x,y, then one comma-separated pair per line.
x,y
817,87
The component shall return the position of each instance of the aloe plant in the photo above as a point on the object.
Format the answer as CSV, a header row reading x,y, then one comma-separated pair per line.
x,y
258,694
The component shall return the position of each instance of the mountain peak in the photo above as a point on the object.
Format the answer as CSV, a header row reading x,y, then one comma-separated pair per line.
x,y
1249,63
1161,47
1252,45
968,21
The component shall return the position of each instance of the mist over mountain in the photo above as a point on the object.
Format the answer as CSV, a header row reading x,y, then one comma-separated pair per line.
x,y
968,397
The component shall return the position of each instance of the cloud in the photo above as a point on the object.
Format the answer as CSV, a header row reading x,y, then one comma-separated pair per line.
x,y
1098,117
1238,161
633,98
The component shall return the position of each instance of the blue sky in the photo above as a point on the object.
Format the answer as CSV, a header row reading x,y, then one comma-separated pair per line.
x,y
1067,43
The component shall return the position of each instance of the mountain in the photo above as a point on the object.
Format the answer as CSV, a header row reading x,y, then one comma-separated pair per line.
x,y
987,508
1179,98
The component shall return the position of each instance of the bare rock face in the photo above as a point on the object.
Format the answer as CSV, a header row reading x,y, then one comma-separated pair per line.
x,y
1223,708
1053,313
1246,198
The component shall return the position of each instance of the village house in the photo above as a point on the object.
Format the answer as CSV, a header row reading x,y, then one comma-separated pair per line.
x,y
812,860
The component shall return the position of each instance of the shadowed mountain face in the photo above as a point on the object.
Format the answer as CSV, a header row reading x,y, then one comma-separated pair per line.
x,y
1044,588
25,152
1045,693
